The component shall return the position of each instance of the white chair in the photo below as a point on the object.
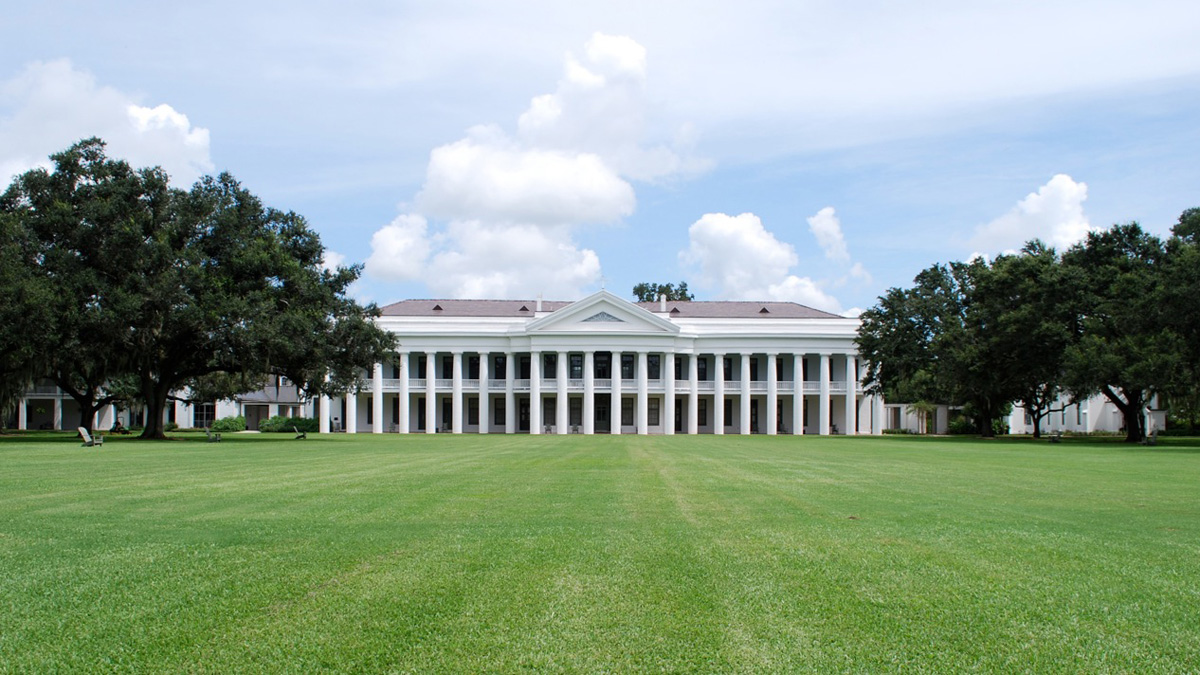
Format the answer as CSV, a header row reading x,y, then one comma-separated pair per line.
x,y
88,441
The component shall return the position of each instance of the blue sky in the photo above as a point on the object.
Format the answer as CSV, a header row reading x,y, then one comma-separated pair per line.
x,y
810,151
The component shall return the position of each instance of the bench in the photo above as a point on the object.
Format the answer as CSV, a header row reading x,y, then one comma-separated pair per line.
x,y
88,440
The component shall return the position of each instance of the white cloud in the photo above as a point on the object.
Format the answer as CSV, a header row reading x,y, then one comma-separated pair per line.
x,y
51,105
485,177
332,260
510,202
486,260
1053,214
826,227
743,261
400,249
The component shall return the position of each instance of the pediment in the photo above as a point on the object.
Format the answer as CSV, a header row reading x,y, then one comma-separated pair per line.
x,y
602,312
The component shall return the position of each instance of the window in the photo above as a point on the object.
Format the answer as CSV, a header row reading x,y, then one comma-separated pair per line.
x,y
754,369
627,411
778,370
203,415
654,367
473,368
420,413
679,368
396,410
576,411
728,412
498,367
472,411
499,408
627,368
421,370
702,369
395,371
523,369
728,363
1078,414
550,366
702,412
576,366
447,367
370,410
652,413
447,412
603,365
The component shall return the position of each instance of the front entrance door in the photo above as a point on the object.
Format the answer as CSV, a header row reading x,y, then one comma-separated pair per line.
x,y
602,415
523,415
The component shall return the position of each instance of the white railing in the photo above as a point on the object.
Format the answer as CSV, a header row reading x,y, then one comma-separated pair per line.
x,y
812,387
706,386
470,385
575,384
784,387
520,385
417,383
602,384
758,387
443,383
496,385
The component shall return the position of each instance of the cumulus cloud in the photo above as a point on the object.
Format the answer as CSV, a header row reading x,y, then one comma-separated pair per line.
x,y
509,202
1053,214
744,261
400,249
50,105
332,260
826,227
492,178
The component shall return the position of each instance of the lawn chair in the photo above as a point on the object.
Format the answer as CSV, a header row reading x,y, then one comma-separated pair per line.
x,y
300,435
88,440
1151,438
1056,437
212,438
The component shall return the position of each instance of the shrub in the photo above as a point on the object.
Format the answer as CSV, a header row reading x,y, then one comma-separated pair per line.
x,y
170,426
282,424
960,425
227,424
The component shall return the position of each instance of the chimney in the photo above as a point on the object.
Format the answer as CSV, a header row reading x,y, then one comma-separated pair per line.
x,y
539,302
662,302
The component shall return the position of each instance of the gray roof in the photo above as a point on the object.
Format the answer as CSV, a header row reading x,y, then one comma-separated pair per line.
x,y
698,309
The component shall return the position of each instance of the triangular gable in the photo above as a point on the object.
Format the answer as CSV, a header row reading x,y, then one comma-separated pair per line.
x,y
602,312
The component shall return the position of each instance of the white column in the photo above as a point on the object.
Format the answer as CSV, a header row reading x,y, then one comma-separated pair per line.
x,y
798,394
823,409
668,362
772,395
876,414
430,393
485,400
744,422
23,414
589,392
510,402
58,412
326,414
719,394
615,414
561,410
351,425
643,395
693,425
456,393
851,395
405,369
377,399
535,392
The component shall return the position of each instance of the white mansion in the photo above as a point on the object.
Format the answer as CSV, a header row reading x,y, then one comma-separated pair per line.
x,y
606,365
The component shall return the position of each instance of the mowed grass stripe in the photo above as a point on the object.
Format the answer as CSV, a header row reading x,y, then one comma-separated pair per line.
x,y
508,553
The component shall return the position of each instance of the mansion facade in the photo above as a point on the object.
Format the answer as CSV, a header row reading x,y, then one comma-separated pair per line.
x,y
606,365
600,365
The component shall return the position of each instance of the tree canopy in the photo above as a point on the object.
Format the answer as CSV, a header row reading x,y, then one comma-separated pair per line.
x,y
1115,315
170,287
650,292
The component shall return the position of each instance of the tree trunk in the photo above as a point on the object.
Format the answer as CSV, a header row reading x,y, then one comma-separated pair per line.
x,y
1037,427
1131,411
155,394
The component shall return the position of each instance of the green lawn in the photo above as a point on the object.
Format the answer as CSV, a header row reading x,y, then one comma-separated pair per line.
x,y
702,554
